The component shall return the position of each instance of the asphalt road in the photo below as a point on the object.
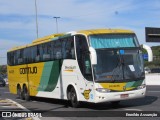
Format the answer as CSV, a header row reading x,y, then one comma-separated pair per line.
x,y
150,104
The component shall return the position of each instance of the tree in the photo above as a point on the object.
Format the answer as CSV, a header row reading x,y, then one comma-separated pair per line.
x,y
3,69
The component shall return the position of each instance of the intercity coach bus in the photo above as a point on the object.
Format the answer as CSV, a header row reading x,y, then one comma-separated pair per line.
x,y
98,65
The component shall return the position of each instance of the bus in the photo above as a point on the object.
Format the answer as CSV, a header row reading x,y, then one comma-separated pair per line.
x,y
96,66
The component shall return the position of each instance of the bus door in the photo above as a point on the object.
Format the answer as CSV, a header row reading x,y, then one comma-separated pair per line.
x,y
85,73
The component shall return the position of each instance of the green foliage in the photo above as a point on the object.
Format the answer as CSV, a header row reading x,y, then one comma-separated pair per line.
x,y
144,51
156,50
156,55
3,69
154,64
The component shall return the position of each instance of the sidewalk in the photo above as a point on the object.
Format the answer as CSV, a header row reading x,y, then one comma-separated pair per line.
x,y
153,79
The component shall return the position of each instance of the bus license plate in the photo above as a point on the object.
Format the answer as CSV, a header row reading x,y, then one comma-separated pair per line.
x,y
124,95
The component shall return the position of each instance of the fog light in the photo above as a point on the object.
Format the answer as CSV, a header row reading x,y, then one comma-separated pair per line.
x,y
141,87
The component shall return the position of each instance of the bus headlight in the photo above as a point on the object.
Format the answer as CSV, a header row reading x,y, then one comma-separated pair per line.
x,y
141,87
102,90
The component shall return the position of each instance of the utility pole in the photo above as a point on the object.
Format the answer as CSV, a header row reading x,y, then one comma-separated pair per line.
x,y
56,22
36,18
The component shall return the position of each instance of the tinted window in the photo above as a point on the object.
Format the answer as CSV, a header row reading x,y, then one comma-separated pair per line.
x,y
27,55
68,51
83,57
54,50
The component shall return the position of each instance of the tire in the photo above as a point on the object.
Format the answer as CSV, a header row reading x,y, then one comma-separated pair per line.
x,y
73,98
4,84
26,93
19,93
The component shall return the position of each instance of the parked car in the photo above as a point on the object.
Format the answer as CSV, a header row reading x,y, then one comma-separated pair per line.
x,y
2,82
6,80
155,70
147,70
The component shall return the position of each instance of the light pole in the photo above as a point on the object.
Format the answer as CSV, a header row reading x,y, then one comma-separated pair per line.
x,y
36,18
56,23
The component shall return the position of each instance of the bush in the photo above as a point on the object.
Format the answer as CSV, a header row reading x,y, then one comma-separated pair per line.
x,y
154,64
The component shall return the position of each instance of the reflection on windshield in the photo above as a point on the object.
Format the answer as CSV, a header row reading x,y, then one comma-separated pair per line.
x,y
113,41
114,65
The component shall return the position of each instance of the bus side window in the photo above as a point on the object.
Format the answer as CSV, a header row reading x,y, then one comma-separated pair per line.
x,y
20,56
46,51
58,49
83,57
37,59
14,58
68,48
33,53
52,50
27,55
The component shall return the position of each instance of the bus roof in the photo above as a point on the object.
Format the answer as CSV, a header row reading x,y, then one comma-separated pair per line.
x,y
84,32
37,41
104,31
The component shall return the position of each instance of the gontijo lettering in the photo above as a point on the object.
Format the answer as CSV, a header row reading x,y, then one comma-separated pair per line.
x,y
28,70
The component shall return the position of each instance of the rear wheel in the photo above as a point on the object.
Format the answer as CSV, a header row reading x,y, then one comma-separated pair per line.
x,y
26,93
19,92
73,98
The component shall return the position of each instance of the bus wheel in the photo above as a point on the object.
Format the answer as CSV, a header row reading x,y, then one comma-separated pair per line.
x,y
73,98
19,92
26,94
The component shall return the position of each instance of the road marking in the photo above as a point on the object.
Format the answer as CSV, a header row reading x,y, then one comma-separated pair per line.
x,y
133,109
9,107
19,105
22,107
153,91
3,101
8,103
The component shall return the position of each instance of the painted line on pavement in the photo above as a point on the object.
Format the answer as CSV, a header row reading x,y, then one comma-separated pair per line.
x,y
133,109
153,91
22,107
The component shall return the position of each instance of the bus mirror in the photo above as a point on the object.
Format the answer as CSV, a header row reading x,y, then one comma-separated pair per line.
x,y
149,52
93,55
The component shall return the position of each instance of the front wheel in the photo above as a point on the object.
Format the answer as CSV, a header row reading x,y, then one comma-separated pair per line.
x,y
73,98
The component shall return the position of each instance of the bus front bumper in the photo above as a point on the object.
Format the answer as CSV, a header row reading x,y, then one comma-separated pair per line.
x,y
119,96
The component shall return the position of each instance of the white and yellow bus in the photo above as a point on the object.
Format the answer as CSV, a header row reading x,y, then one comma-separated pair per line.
x,y
89,65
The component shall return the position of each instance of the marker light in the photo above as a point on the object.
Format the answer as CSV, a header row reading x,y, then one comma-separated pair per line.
x,y
102,90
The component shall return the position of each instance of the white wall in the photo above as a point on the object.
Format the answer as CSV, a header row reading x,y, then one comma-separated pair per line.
x,y
153,79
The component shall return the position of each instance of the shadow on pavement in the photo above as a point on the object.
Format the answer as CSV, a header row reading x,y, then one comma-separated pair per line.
x,y
100,106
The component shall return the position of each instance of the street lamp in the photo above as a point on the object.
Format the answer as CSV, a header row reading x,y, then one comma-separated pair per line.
x,y
36,18
56,22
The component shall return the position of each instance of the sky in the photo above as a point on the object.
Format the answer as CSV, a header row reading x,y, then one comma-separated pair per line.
x,y
18,21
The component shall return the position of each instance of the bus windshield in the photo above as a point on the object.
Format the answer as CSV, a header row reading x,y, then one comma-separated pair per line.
x,y
118,60
113,40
